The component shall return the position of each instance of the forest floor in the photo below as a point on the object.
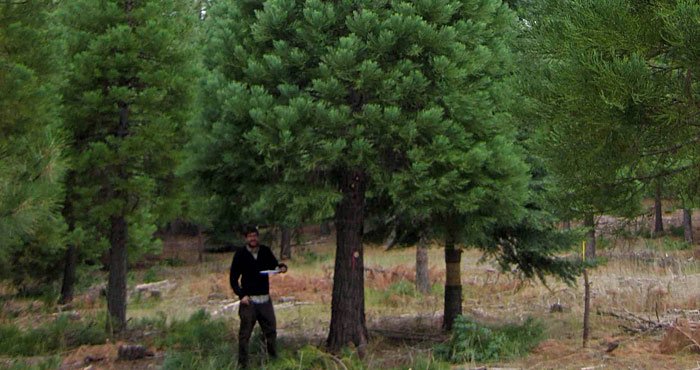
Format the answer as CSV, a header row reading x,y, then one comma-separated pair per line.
x,y
647,280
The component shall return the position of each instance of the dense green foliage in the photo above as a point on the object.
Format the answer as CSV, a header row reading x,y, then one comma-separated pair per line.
x,y
615,83
472,341
32,144
413,95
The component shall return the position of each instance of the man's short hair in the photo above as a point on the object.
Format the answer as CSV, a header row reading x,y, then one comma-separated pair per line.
x,y
248,229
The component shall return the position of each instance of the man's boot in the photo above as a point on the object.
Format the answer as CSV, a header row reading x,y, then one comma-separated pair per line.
x,y
242,357
271,345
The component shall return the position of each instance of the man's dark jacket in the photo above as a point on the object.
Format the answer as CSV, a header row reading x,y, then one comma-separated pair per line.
x,y
248,269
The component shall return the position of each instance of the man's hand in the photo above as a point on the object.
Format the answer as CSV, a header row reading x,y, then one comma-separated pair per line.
x,y
245,300
283,269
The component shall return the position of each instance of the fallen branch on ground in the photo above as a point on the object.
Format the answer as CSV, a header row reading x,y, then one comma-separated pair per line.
x,y
640,324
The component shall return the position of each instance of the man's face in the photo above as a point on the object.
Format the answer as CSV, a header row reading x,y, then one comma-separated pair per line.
x,y
252,239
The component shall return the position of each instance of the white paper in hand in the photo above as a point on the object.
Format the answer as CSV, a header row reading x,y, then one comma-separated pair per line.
x,y
270,272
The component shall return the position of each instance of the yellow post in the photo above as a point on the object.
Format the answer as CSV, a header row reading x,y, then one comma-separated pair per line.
x,y
584,250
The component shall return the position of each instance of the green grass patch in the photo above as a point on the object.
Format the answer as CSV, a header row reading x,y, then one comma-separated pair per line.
x,y
311,357
672,245
46,364
403,288
310,257
198,334
58,335
220,356
153,274
395,295
205,343
472,341
677,231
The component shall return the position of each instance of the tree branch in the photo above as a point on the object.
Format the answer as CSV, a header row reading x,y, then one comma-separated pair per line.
x,y
672,148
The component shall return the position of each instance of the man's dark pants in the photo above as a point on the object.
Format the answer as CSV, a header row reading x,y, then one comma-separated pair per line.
x,y
265,315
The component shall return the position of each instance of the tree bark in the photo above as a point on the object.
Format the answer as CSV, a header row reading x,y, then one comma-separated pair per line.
x,y
325,228
286,243
422,278
453,283
116,286
348,302
200,244
586,307
658,219
688,226
67,287
589,223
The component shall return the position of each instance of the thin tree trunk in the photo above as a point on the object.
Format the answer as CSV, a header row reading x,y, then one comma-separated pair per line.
x,y
586,307
589,223
688,226
200,244
422,278
658,219
69,275
567,224
392,240
286,243
325,228
116,286
348,303
453,283
298,234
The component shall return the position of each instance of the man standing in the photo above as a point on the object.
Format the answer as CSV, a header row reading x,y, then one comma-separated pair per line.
x,y
252,264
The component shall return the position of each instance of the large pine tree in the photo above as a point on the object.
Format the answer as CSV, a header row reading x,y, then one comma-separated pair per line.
x,y
31,143
328,106
128,97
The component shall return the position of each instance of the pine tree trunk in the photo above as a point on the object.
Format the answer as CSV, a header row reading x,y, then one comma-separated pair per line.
x,y
348,302
200,244
116,286
586,308
422,278
69,275
286,243
325,228
453,283
658,219
589,223
392,240
688,226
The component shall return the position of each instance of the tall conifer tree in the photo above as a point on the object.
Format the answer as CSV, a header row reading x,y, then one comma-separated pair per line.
x,y
328,106
128,96
32,164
